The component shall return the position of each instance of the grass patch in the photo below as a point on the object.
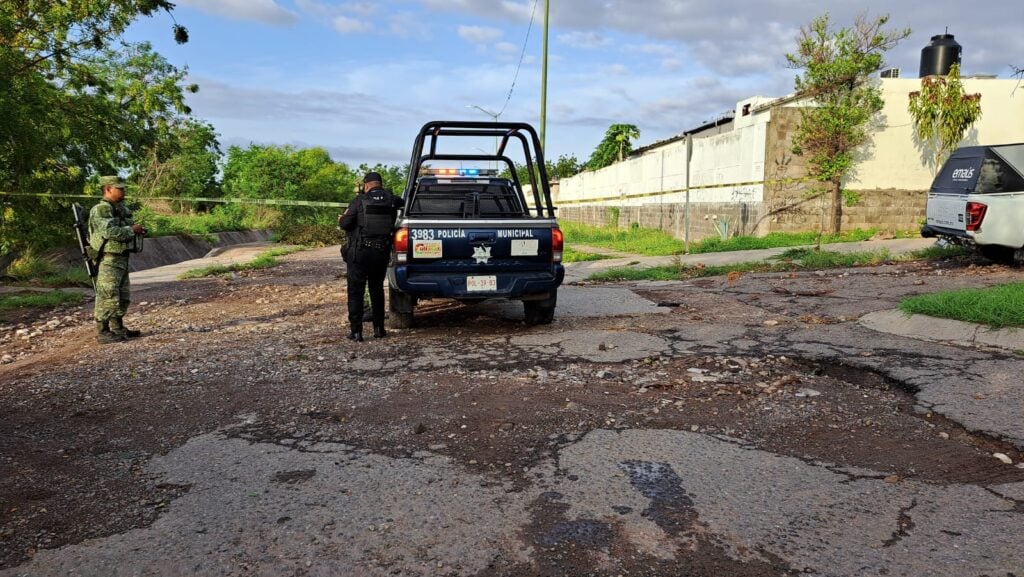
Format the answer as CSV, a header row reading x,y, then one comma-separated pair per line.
x,y
633,240
265,259
45,300
570,254
796,259
75,276
777,240
939,253
821,259
31,269
199,224
999,306
654,242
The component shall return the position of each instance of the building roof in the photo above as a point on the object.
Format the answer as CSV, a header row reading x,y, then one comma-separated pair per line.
x,y
724,119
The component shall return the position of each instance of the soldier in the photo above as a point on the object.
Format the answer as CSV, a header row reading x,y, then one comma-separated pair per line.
x,y
112,235
369,222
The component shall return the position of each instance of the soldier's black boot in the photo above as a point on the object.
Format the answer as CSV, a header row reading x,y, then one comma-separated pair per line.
x,y
379,332
117,327
356,336
104,336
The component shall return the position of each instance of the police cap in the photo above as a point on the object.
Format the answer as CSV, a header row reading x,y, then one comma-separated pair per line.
x,y
372,177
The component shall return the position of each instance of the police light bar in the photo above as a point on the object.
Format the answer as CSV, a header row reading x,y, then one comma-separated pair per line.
x,y
471,172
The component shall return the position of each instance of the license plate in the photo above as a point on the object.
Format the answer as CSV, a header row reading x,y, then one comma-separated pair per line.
x,y
481,283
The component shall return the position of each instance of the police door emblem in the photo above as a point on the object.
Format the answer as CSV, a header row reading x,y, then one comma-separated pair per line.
x,y
482,254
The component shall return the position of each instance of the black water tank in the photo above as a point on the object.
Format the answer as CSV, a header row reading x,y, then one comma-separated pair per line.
x,y
939,56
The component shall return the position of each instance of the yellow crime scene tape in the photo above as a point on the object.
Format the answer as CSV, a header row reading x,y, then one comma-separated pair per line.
x,y
262,201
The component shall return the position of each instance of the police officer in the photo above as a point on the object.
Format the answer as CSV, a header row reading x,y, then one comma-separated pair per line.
x,y
369,223
112,235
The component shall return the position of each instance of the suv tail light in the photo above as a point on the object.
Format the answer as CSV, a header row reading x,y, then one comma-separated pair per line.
x,y
557,242
402,245
975,214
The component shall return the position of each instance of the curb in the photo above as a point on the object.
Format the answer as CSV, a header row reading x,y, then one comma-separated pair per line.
x,y
925,328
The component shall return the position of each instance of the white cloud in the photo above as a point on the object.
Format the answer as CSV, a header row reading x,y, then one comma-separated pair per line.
x,y
616,69
739,37
347,25
360,8
479,34
580,39
265,11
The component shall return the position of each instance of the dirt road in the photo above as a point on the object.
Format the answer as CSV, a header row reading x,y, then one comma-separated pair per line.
x,y
716,427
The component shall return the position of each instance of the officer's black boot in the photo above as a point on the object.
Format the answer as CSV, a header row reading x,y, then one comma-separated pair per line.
x,y
117,327
379,332
356,336
104,336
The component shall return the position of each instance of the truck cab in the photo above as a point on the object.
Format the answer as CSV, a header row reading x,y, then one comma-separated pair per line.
x,y
469,230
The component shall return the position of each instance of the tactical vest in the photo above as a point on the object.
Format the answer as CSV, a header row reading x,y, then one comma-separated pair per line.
x,y
376,214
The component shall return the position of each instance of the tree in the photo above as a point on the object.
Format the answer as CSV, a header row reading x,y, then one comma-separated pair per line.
x,y
567,165
77,100
837,65
616,145
942,113
183,163
284,173
394,176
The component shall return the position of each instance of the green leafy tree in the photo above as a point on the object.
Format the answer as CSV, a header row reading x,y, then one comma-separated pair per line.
x,y
942,113
615,146
183,163
394,176
837,65
284,173
76,100
567,165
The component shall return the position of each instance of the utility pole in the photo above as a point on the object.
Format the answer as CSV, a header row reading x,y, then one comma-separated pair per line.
x,y
544,79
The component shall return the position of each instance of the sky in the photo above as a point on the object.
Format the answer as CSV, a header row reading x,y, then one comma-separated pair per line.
x,y
359,78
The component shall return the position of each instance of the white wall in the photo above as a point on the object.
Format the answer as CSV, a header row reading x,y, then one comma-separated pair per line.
x,y
893,160
723,165
729,167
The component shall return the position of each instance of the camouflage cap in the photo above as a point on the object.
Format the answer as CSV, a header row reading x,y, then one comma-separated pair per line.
x,y
114,181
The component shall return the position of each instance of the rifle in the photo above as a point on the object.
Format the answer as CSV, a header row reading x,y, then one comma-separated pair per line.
x,y
82,232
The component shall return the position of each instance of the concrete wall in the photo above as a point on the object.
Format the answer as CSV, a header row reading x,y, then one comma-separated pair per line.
x,y
166,250
751,172
727,167
671,217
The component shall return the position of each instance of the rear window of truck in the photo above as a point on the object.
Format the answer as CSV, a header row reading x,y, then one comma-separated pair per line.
x,y
466,200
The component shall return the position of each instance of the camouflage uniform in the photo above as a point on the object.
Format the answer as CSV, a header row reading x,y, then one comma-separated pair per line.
x,y
111,236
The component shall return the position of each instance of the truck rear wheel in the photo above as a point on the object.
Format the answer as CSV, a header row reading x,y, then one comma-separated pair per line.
x,y
540,312
999,254
401,313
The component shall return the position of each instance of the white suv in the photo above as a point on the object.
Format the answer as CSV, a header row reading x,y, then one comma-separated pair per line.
x,y
978,199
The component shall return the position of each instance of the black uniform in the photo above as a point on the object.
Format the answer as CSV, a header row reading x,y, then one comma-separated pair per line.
x,y
369,223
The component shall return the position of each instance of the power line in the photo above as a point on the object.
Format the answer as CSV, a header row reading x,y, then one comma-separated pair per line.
x,y
522,55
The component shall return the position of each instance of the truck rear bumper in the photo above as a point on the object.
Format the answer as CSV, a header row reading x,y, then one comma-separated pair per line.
x,y
510,285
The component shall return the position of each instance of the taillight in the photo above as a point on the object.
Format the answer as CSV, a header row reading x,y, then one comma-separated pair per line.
x,y
402,245
557,242
975,214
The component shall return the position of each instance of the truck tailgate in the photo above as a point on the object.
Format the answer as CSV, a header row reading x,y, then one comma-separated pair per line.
x,y
947,212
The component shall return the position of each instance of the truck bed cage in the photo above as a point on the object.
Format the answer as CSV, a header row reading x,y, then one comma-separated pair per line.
x,y
506,131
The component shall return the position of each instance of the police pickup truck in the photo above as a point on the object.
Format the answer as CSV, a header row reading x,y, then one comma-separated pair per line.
x,y
468,234
977,199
